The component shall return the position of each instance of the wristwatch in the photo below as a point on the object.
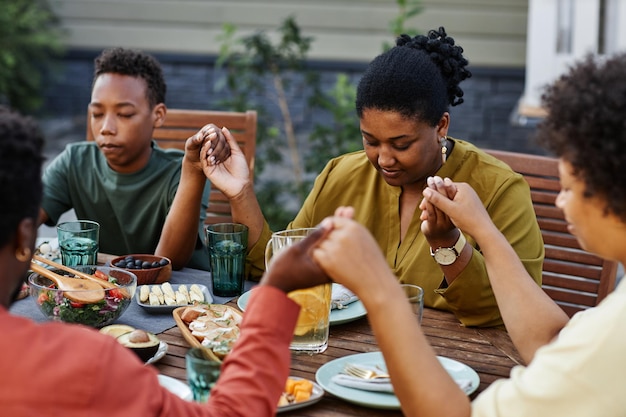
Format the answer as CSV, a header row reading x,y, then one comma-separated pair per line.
x,y
447,256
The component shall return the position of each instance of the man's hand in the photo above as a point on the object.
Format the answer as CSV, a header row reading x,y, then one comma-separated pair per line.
x,y
294,268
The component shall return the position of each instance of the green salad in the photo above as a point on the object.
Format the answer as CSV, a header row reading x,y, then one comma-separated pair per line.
x,y
55,305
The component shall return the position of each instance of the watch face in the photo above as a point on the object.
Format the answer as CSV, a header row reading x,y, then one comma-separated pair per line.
x,y
445,256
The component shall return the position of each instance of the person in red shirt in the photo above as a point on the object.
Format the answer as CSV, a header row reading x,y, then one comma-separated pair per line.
x,y
54,369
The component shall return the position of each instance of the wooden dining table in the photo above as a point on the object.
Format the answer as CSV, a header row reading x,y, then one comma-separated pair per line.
x,y
489,352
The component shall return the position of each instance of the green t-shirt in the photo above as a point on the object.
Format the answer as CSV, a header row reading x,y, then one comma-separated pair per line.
x,y
130,208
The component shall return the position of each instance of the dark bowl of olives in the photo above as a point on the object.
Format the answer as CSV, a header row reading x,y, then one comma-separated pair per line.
x,y
150,269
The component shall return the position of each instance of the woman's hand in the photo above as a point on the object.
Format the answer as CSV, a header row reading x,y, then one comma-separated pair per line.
x,y
229,175
460,204
437,227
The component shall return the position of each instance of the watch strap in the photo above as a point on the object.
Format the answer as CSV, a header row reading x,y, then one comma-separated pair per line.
x,y
457,247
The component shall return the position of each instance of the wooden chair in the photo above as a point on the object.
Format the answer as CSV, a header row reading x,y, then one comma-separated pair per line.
x,y
181,124
572,277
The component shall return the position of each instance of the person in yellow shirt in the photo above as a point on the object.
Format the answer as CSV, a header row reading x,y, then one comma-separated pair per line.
x,y
574,367
403,102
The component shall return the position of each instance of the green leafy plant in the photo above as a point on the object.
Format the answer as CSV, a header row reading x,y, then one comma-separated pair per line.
x,y
341,134
30,39
263,75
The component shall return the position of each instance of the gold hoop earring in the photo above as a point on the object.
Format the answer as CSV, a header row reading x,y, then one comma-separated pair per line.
x,y
23,255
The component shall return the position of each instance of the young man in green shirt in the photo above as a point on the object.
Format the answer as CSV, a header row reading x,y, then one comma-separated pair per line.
x,y
146,199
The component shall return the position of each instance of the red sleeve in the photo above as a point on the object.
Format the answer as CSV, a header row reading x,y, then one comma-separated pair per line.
x,y
252,379
254,373
100,377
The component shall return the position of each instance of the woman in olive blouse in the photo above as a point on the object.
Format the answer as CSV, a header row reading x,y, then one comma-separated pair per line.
x,y
403,102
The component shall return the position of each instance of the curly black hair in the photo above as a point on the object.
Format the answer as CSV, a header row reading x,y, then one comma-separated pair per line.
x,y
586,126
419,78
136,64
21,144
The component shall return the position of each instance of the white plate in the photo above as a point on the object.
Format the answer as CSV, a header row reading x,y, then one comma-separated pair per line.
x,y
350,312
159,354
176,387
54,254
316,395
457,370
168,309
353,311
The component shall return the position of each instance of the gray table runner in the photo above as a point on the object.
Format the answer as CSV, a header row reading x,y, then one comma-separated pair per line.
x,y
135,315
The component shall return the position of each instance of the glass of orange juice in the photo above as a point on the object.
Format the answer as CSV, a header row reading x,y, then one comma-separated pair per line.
x,y
312,328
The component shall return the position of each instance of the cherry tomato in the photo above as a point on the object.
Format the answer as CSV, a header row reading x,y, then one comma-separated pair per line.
x,y
115,293
101,275
43,297
75,304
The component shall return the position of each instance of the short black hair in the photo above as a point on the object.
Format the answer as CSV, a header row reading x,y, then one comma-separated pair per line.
x,y
21,144
586,126
136,64
419,78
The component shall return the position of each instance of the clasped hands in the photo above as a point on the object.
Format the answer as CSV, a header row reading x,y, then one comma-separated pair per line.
x,y
345,251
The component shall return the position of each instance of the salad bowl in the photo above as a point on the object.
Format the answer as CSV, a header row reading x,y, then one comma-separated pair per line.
x,y
60,305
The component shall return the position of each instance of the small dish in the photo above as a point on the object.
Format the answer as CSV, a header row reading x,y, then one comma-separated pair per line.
x,y
164,308
351,312
160,353
316,395
49,249
150,269
176,387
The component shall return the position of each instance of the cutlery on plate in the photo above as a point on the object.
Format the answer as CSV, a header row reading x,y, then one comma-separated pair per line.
x,y
363,373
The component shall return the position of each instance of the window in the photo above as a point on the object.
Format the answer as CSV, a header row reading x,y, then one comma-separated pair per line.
x,y
561,32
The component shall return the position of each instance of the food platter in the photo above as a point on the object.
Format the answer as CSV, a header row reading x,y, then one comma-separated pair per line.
x,y
164,308
179,312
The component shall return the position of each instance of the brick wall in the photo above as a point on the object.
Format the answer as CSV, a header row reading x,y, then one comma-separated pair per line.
x,y
484,118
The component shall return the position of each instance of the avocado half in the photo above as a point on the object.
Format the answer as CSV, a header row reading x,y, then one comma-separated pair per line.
x,y
144,344
116,330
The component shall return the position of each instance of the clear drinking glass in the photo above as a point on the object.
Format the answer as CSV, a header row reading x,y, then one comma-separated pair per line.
x,y
312,328
415,296
227,244
202,374
78,242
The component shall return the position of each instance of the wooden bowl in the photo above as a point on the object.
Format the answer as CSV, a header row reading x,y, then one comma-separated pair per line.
x,y
200,309
145,276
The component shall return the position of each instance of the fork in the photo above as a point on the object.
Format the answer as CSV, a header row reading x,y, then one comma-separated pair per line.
x,y
363,373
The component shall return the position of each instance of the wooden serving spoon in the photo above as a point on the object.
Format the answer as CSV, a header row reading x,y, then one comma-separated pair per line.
x,y
75,289
104,284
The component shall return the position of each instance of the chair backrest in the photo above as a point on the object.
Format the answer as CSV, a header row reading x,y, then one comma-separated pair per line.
x,y
180,124
572,277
